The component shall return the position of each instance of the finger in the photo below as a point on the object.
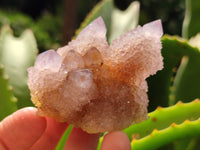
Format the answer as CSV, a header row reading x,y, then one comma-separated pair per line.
x,y
117,140
51,136
21,129
79,139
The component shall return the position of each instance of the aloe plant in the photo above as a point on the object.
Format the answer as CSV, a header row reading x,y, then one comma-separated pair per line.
x,y
7,99
174,112
16,55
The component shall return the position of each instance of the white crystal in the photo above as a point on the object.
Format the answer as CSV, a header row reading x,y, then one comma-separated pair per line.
x,y
81,78
50,60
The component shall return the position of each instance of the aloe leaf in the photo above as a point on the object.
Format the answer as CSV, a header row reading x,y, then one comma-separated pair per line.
x,y
17,54
62,142
160,138
187,76
188,143
183,144
111,16
174,48
7,99
186,84
194,143
191,21
128,20
195,41
163,117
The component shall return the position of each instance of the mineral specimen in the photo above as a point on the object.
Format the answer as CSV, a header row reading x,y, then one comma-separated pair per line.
x,y
96,86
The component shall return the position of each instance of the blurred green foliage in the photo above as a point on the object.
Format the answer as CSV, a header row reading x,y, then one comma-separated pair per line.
x,y
170,12
47,29
191,24
17,21
46,19
171,84
7,99
16,55
179,80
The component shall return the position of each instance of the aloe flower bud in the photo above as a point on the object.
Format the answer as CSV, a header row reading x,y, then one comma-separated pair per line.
x,y
96,86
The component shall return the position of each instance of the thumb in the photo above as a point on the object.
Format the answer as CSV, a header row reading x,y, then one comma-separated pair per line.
x,y
21,129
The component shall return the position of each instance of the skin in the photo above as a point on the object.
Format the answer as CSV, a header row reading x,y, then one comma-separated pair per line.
x,y
24,129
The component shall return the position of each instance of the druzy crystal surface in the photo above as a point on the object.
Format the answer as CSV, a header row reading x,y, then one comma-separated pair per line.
x,y
96,86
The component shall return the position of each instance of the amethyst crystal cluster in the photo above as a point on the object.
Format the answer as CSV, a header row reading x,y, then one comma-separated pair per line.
x,y
96,86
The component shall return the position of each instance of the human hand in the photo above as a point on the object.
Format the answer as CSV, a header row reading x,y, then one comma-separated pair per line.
x,y
24,130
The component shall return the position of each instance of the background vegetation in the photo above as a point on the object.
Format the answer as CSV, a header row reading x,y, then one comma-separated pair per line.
x,y
30,27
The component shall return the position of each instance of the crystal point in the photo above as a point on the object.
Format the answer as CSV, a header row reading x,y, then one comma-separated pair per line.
x,y
93,58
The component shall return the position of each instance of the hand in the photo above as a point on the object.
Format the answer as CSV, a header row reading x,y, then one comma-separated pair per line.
x,y
25,130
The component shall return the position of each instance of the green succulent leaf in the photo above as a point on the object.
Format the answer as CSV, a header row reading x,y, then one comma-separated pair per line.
x,y
17,54
160,138
169,83
128,20
195,41
162,118
187,76
7,99
191,21
111,16
188,143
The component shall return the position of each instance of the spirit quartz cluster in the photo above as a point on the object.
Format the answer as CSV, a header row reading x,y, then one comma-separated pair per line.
x,y
96,86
